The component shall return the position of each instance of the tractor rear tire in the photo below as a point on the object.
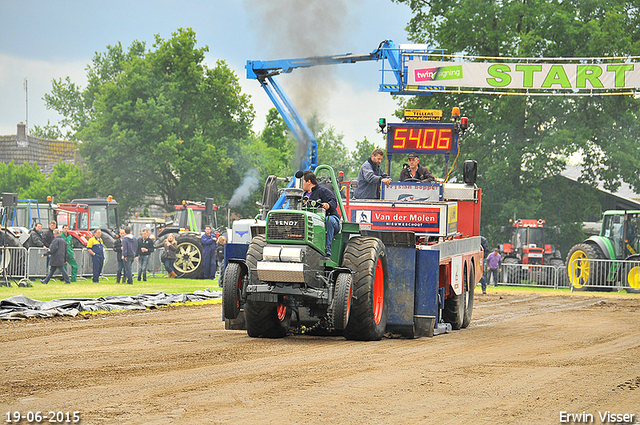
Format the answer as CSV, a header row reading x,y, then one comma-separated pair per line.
x,y
232,290
189,260
455,306
631,276
582,272
342,301
366,257
468,310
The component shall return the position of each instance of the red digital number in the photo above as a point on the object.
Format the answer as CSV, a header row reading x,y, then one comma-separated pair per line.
x,y
430,136
399,138
444,140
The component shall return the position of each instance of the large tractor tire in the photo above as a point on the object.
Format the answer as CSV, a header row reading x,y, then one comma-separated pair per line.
x,y
366,257
455,306
468,309
232,290
264,320
631,276
189,261
511,270
267,320
582,272
342,301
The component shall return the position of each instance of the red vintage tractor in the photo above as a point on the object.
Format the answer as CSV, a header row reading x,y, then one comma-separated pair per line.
x,y
527,248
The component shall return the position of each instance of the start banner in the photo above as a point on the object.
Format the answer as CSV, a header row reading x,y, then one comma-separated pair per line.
x,y
534,76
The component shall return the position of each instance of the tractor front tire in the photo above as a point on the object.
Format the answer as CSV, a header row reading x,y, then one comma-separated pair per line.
x,y
366,257
189,260
267,320
342,301
232,290
581,270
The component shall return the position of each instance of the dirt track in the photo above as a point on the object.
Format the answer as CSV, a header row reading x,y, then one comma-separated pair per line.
x,y
524,359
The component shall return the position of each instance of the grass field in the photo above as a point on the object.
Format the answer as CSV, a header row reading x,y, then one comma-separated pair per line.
x,y
56,289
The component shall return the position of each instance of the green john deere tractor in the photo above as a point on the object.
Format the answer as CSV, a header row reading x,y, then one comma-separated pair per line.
x,y
286,271
589,263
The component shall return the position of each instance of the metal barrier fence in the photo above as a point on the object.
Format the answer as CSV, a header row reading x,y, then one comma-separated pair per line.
x,y
533,275
13,263
587,273
28,264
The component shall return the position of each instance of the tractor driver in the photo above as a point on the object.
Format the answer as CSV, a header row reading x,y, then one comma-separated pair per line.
x,y
328,201
416,171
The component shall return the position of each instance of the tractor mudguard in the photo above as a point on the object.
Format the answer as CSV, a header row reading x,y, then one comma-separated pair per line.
x,y
604,244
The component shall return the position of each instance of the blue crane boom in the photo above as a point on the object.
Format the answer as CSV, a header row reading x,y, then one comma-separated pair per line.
x,y
265,71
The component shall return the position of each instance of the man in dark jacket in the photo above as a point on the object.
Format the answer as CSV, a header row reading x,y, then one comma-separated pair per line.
x,y
35,237
117,247
416,171
58,254
370,177
329,203
208,242
129,251
145,248
47,235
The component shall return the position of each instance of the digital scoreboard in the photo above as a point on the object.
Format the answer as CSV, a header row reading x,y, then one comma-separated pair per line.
x,y
427,138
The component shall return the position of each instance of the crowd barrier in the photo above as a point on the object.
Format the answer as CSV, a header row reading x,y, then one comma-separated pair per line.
x,y
13,263
533,275
597,274
28,264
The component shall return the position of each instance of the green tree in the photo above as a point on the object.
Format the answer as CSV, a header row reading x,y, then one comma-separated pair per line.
x,y
19,178
159,123
522,143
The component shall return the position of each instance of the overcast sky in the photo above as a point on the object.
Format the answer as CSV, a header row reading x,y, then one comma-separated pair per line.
x,y
43,40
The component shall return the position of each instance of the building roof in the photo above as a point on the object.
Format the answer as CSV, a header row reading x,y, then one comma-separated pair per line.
x,y
624,198
21,148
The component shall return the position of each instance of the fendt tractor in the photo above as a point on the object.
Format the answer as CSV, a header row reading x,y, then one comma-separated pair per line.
x,y
407,263
527,249
592,264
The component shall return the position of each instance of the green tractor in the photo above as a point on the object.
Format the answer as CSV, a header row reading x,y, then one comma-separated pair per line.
x,y
589,264
286,271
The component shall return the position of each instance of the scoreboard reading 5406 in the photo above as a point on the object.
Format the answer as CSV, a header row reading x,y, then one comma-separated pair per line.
x,y
422,138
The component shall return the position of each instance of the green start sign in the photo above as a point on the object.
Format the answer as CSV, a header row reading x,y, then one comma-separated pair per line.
x,y
525,76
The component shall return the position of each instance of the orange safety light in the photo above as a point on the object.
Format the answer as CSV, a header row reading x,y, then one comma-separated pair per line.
x,y
184,202
455,113
136,214
49,199
109,198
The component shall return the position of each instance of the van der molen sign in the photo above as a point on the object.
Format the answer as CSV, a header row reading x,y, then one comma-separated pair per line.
x,y
535,76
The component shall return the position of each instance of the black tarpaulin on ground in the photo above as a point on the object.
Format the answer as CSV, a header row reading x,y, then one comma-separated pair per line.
x,y
21,307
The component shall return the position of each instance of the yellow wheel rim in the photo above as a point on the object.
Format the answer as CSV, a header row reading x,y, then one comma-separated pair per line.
x,y
188,257
633,277
578,269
